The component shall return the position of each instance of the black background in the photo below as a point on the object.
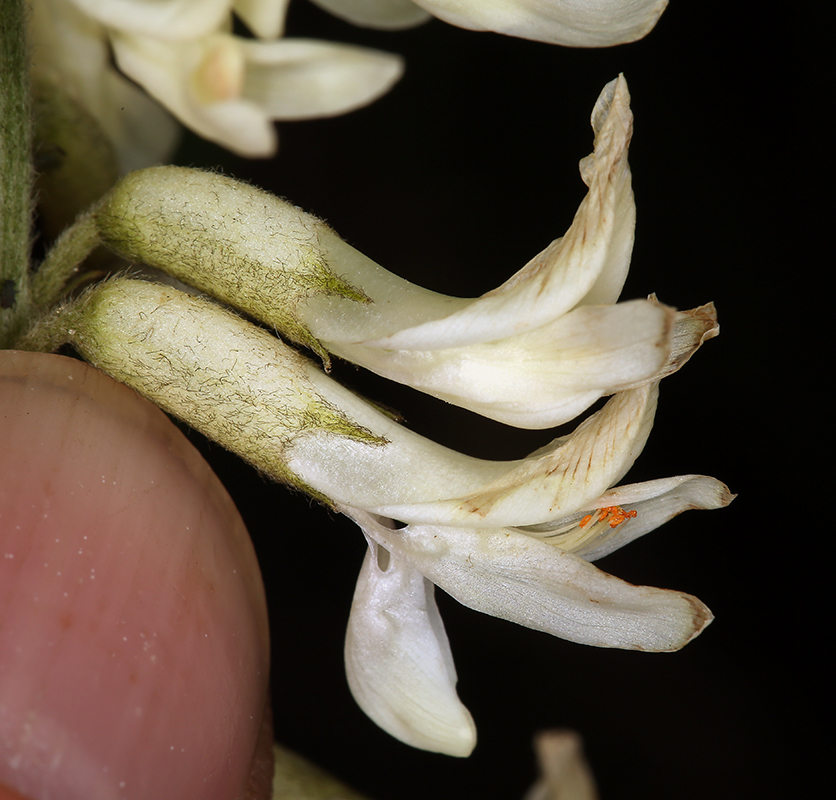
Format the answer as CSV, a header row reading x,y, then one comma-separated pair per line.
x,y
454,180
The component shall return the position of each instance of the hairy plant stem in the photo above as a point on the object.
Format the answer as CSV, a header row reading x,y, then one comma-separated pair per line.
x,y
64,259
50,331
15,173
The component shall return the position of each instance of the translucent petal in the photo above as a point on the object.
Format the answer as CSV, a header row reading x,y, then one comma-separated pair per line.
x,y
507,574
398,660
655,502
300,78
692,328
576,23
661,501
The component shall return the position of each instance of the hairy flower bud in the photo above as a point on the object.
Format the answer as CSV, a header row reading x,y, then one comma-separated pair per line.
x,y
228,379
232,240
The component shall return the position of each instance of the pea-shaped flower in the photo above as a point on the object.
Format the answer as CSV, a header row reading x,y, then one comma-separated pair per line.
x,y
534,353
225,87
511,539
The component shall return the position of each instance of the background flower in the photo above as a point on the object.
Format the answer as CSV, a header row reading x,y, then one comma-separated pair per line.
x,y
227,88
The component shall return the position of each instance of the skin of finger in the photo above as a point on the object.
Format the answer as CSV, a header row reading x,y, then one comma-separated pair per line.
x,y
10,794
134,651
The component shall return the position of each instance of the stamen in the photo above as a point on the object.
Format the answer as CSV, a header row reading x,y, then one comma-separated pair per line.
x,y
576,536
615,515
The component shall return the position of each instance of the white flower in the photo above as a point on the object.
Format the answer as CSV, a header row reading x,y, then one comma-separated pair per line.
x,y
541,348
401,673
510,539
576,23
534,352
227,88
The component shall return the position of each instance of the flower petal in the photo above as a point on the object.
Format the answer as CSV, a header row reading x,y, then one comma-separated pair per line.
x,y
301,78
142,131
588,265
507,574
661,500
691,330
576,23
199,81
540,378
655,502
169,19
261,234
386,14
415,480
265,18
67,43
398,660
227,89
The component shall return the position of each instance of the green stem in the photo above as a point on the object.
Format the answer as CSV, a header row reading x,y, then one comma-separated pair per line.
x,y
15,173
63,260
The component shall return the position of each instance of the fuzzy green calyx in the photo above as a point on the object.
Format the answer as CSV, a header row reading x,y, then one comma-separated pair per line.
x,y
232,381
240,244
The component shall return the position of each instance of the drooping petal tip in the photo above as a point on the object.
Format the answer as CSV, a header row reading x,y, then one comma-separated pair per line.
x,y
702,618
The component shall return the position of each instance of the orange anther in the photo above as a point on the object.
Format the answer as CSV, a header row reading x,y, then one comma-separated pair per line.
x,y
619,515
615,515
